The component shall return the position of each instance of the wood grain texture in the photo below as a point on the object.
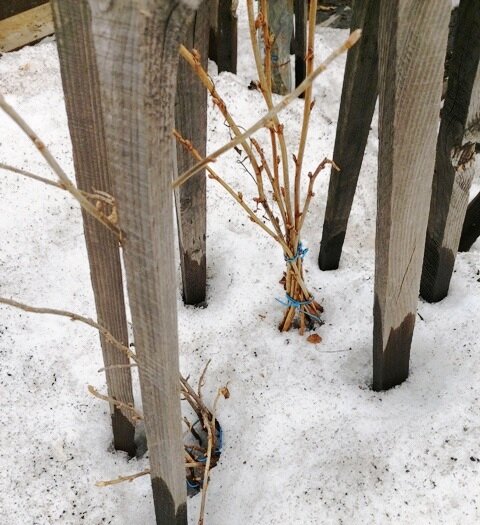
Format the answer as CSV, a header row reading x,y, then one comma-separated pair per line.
x,y
454,163
359,94
137,54
280,22
26,28
412,44
190,198
471,225
300,40
82,100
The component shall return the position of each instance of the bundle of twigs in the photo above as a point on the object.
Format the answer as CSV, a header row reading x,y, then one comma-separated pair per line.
x,y
285,210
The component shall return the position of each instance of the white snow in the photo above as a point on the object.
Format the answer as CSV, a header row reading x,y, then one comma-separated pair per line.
x,y
306,440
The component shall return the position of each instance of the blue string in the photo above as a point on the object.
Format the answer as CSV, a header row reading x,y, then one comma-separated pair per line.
x,y
193,485
301,252
298,306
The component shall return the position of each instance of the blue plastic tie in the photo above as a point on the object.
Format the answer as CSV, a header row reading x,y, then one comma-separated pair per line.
x,y
301,252
298,306
193,485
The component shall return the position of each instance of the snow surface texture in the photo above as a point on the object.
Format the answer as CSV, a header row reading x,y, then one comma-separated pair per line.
x,y
306,440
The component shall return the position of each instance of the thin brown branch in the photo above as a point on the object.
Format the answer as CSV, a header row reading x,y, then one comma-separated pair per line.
x,y
307,109
352,39
213,175
74,317
135,415
122,479
56,168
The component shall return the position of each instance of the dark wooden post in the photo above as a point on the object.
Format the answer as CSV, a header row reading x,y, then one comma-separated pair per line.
x,y
412,44
300,40
137,54
454,164
280,22
82,99
471,226
191,121
223,34
359,94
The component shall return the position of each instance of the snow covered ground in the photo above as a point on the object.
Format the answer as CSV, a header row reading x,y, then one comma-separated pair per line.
x,y
306,440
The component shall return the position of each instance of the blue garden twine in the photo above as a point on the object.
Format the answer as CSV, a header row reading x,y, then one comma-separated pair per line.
x,y
290,301
301,252
203,459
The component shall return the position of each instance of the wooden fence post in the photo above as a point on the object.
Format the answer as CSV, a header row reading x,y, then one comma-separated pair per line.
x,y
300,40
82,99
137,55
190,198
280,22
454,164
359,94
223,34
471,226
412,44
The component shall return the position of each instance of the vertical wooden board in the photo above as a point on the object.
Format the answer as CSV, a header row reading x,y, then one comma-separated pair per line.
x,y
280,22
137,55
191,121
300,40
471,226
412,44
359,94
226,38
454,166
82,100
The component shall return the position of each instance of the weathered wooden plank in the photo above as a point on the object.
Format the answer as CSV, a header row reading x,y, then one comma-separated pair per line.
x,y
454,163
300,40
190,198
412,44
359,94
280,22
25,28
471,226
14,7
82,100
225,39
137,56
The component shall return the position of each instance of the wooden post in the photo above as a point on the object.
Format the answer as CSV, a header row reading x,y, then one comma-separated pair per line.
x,y
223,34
280,22
359,94
454,164
412,44
137,55
300,40
190,198
82,99
471,226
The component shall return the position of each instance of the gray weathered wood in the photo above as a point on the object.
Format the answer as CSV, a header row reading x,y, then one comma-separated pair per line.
x,y
280,22
137,55
359,94
82,99
300,40
471,226
191,121
412,45
454,164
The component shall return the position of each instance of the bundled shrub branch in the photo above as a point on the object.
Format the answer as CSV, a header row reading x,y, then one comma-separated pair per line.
x,y
285,204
